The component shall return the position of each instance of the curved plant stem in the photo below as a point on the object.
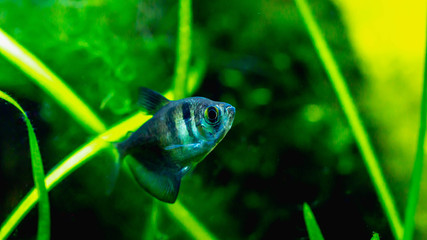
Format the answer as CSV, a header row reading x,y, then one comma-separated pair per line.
x,y
414,190
53,85
350,111
183,49
43,232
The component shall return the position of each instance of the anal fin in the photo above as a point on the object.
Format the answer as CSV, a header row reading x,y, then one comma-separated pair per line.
x,y
161,184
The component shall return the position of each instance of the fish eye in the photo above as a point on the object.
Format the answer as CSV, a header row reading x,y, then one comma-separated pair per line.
x,y
212,115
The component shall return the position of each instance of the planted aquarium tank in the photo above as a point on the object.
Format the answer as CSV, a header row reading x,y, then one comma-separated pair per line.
x,y
311,125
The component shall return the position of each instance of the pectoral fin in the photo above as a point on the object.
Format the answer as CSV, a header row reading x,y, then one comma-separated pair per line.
x,y
114,165
162,184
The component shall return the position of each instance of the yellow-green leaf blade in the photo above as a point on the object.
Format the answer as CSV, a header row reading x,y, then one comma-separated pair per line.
x,y
183,49
375,236
313,229
38,175
417,169
349,108
52,84
190,223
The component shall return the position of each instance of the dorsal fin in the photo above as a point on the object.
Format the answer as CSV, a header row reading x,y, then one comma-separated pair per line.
x,y
151,100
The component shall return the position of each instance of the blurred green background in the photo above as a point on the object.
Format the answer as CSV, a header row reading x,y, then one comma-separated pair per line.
x,y
290,142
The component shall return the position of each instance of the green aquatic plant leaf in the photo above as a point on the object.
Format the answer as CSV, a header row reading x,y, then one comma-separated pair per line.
x,y
50,83
69,165
195,73
151,229
375,236
193,227
183,49
414,188
313,229
43,231
348,106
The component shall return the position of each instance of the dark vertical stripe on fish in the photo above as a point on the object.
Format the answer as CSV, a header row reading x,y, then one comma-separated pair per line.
x,y
171,125
186,115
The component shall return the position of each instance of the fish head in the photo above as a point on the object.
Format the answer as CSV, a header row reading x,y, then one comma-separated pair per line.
x,y
214,119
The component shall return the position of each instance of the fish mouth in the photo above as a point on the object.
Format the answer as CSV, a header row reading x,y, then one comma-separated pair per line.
x,y
231,112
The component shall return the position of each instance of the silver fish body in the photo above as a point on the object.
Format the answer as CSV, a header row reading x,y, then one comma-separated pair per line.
x,y
178,136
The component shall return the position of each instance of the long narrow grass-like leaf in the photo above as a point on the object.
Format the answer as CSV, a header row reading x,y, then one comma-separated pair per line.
x,y
194,75
67,166
151,230
43,231
49,82
313,229
193,227
183,49
350,111
375,236
414,190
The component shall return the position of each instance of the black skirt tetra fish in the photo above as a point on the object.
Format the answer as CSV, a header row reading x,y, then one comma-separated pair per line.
x,y
178,136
